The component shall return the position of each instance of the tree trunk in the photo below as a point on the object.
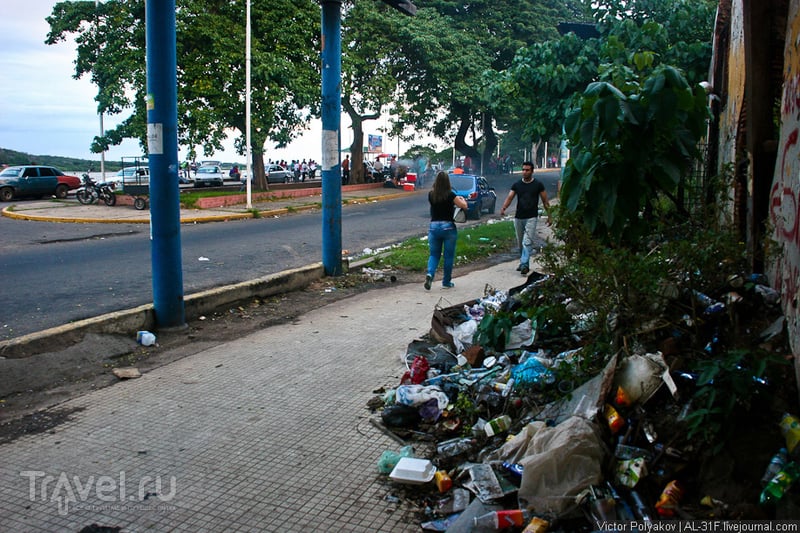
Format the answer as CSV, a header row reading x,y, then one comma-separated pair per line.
x,y
259,182
357,155
490,141
356,152
461,137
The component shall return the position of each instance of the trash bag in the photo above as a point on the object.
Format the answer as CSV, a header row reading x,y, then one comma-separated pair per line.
x,y
448,317
416,395
401,416
389,458
558,462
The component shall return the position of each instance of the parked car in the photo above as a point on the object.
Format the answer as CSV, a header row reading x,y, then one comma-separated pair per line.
x,y
35,181
131,175
475,189
209,176
278,174
370,174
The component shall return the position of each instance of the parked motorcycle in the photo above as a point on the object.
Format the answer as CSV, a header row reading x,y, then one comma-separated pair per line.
x,y
92,191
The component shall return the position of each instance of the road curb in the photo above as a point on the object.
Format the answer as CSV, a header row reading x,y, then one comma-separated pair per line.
x,y
129,321
196,218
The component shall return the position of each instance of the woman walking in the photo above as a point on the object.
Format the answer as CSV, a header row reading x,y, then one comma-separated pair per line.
x,y
442,232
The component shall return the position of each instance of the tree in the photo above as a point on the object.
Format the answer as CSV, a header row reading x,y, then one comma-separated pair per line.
x,y
534,93
211,64
368,70
631,145
445,51
540,85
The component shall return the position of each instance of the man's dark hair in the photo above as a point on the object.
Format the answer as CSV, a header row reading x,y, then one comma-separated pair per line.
x,y
529,163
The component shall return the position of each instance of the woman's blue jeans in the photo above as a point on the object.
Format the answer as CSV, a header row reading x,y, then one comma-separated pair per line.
x,y
442,236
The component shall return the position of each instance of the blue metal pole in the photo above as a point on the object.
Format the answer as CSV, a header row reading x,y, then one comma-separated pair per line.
x,y
331,123
162,146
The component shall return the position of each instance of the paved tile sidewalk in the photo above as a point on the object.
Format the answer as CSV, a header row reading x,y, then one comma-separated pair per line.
x,y
267,433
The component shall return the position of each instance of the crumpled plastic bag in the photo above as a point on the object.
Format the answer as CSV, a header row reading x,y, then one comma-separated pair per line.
x,y
417,395
558,462
521,335
640,376
389,458
463,334
417,373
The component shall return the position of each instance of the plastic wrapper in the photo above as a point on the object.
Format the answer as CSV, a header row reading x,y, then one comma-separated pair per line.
x,y
389,458
416,395
558,462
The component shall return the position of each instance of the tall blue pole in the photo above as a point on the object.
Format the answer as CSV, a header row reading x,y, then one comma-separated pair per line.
x,y
331,122
162,147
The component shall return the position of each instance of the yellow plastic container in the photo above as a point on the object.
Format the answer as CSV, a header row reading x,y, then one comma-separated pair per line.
x,y
790,427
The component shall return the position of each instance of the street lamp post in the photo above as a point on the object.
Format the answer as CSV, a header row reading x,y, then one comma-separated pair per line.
x,y
247,113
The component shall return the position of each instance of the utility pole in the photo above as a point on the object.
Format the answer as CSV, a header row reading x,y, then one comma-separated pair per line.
x,y
331,137
331,129
162,147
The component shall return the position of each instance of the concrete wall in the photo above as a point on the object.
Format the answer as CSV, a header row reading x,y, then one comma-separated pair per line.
x,y
784,251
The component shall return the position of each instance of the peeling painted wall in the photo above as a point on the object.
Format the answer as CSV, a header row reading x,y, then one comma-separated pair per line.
x,y
729,118
784,258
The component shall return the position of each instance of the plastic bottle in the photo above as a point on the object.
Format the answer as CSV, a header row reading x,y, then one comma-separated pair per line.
x,y
503,519
145,338
776,464
640,508
515,469
615,421
666,504
790,428
454,447
779,484
497,425
443,481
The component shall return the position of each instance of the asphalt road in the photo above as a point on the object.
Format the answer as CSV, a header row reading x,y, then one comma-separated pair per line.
x,y
56,273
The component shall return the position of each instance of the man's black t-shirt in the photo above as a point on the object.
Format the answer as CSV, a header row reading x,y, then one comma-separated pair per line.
x,y
527,198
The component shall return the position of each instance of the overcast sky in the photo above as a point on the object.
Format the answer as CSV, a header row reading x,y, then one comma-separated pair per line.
x,y
45,111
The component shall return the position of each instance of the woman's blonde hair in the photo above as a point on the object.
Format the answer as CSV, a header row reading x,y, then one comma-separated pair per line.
x,y
441,187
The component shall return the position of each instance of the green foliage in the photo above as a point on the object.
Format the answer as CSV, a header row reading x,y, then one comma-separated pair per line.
x,y
494,329
465,409
474,242
534,92
627,287
67,164
630,144
727,384
210,70
443,53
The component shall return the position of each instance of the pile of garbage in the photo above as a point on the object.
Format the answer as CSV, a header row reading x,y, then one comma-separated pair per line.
x,y
535,431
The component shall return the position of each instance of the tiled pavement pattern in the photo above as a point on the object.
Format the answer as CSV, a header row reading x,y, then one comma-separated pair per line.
x,y
267,433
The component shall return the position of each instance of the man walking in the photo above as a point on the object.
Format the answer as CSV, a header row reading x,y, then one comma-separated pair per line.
x,y
528,190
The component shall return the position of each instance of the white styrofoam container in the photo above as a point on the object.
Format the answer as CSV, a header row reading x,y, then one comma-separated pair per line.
x,y
413,471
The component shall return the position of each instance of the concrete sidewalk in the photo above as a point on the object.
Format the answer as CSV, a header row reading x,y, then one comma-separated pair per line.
x,y
70,211
267,433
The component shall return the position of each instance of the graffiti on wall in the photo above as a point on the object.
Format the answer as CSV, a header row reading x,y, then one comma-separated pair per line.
x,y
784,270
